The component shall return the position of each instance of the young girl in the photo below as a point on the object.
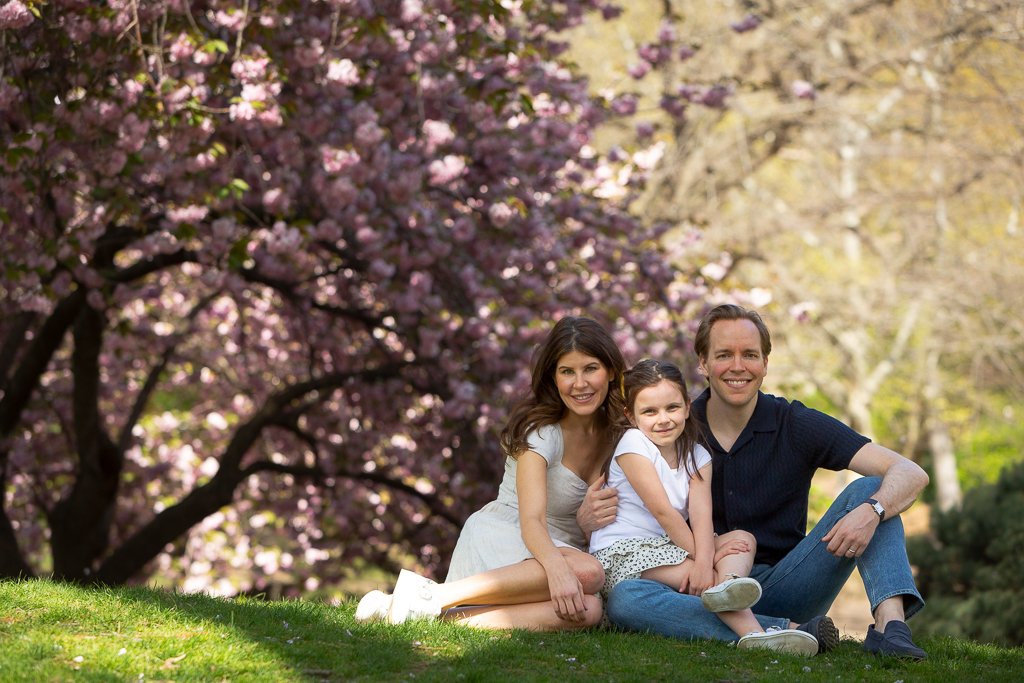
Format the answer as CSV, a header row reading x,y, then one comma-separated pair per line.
x,y
663,476
521,560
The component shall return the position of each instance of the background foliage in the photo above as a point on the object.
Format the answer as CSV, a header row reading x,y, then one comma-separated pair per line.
x,y
970,569
273,272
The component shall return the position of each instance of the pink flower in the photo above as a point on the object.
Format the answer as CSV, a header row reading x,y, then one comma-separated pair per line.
x,y
803,90
15,15
411,10
343,72
639,70
182,48
369,134
685,52
500,214
187,214
444,171
747,23
624,105
644,130
232,21
338,160
242,111
276,201
438,132
714,97
667,32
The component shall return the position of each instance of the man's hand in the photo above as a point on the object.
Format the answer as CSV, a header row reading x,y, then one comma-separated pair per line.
x,y
599,507
851,534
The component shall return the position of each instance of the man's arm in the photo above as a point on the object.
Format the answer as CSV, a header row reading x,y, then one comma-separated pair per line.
x,y
902,479
902,482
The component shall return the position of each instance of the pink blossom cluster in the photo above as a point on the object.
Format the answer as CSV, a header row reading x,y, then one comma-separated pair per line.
x,y
14,15
303,255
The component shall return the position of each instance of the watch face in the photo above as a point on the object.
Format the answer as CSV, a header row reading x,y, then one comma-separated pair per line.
x,y
879,510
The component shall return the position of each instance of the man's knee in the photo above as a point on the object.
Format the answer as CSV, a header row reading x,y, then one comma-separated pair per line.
x,y
861,489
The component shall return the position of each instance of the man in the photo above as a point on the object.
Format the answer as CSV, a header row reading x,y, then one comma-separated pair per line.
x,y
766,450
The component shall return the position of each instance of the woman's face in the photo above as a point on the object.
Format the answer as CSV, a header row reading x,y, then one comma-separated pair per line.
x,y
582,382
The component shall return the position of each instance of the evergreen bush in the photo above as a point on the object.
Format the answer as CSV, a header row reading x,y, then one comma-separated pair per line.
x,y
971,568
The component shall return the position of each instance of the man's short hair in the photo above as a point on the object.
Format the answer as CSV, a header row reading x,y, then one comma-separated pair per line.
x,y
702,341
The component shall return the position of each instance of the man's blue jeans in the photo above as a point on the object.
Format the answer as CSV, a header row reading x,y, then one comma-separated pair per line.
x,y
801,586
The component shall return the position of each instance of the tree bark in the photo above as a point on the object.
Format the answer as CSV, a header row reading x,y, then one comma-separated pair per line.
x,y
80,523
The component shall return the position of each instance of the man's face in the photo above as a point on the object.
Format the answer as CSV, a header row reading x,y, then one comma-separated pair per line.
x,y
735,366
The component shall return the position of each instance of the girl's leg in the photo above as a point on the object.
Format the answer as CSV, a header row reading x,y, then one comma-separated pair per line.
x,y
521,583
741,622
672,575
736,563
534,616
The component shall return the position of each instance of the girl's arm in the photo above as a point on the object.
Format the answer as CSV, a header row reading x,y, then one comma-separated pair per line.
x,y
703,575
531,489
644,477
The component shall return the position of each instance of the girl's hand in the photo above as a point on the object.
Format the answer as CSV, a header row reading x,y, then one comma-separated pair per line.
x,y
701,578
735,546
687,567
566,593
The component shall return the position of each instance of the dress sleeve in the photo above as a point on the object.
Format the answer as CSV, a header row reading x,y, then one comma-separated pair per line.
x,y
546,441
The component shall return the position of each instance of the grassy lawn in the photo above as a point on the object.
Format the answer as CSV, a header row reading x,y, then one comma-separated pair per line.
x,y
54,632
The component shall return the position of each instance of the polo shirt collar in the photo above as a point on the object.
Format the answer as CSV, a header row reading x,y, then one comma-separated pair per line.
x,y
764,419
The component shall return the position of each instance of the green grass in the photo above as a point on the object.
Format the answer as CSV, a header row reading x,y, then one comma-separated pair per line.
x,y
56,632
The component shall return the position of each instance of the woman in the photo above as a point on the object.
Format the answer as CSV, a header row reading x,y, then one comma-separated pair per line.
x,y
521,560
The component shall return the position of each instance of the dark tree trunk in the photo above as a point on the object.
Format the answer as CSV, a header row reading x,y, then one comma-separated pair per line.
x,y
80,523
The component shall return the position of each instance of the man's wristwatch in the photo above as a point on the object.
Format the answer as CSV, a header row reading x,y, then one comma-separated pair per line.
x,y
877,507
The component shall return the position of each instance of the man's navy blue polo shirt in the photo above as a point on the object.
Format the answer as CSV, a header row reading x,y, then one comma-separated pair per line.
x,y
762,484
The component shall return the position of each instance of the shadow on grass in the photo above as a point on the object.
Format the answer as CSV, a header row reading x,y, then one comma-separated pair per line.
x,y
312,640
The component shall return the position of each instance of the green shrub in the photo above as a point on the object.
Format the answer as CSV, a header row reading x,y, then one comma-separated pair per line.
x,y
971,568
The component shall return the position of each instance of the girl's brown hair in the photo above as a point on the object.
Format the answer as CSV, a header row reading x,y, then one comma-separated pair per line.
x,y
646,374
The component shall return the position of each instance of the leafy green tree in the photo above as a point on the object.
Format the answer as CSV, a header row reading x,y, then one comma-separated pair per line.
x,y
970,567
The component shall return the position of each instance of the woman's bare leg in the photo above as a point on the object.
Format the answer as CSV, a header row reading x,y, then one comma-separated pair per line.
x,y
534,616
525,582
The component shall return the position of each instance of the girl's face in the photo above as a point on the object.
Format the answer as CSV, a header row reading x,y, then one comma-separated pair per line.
x,y
582,382
660,412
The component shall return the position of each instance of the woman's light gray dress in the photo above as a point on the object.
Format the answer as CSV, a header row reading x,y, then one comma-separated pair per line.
x,y
492,538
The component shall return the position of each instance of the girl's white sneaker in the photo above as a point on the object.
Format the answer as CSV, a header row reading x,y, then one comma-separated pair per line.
x,y
732,595
781,640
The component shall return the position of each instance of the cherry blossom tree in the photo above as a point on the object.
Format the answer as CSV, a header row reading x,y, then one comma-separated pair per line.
x,y
273,272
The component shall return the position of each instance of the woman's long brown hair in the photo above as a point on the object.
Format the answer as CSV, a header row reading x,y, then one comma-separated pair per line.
x,y
543,405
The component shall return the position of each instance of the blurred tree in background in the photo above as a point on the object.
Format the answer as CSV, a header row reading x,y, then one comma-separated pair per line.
x,y
273,271
858,167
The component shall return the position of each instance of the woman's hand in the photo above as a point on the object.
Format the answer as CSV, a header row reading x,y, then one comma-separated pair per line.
x,y
566,593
